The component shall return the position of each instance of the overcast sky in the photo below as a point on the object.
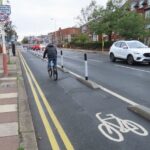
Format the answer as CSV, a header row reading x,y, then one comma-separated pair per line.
x,y
34,17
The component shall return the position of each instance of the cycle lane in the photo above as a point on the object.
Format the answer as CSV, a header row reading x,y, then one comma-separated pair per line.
x,y
76,106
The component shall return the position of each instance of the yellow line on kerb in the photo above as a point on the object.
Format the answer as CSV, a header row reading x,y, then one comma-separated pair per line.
x,y
58,126
48,129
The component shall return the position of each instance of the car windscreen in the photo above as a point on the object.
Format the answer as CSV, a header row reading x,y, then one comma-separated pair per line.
x,y
136,44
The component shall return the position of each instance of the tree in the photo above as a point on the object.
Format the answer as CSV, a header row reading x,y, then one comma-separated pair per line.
x,y
87,13
132,25
10,31
24,41
107,19
118,18
82,38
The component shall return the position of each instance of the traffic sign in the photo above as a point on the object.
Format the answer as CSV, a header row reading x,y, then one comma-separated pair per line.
x,y
3,17
5,9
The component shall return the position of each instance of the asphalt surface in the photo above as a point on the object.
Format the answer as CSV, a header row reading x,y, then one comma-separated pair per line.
x,y
132,82
76,105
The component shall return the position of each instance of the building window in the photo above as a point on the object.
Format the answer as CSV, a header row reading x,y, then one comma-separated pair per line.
x,y
141,4
148,2
132,6
147,14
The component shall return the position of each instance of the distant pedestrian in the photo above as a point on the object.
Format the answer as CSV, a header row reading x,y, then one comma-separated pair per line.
x,y
13,49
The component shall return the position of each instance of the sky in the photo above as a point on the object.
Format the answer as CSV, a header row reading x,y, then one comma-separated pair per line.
x,y
39,17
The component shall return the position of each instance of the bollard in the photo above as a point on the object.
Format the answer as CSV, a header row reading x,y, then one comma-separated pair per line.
x,y
61,53
86,66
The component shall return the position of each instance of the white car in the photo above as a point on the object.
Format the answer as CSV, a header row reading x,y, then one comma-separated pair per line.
x,y
132,51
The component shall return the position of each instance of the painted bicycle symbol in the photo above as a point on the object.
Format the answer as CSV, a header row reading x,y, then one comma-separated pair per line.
x,y
115,131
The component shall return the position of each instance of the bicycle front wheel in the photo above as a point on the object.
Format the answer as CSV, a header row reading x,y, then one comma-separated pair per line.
x,y
114,136
136,128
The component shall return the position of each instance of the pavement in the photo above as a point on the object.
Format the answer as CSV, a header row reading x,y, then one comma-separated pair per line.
x,y
16,127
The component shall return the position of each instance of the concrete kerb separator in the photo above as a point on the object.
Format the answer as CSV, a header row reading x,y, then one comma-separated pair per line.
x,y
140,110
135,107
26,128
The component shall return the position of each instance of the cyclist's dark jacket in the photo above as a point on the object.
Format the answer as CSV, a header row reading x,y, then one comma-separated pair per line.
x,y
50,51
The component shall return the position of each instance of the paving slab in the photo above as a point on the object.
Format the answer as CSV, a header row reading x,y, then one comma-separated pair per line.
x,y
8,108
8,79
8,84
8,95
8,117
8,90
8,129
8,101
9,143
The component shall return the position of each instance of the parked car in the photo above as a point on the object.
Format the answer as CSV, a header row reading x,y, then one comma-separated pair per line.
x,y
42,46
38,47
131,51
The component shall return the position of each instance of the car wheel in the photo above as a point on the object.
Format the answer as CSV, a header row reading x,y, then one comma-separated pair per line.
x,y
112,57
130,60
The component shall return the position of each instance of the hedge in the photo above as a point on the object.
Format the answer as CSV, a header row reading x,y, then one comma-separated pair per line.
x,y
90,45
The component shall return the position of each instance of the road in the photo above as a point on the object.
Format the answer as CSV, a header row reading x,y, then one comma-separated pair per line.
x,y
77,107
131,82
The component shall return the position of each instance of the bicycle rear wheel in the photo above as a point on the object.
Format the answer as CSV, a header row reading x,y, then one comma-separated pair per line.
x,y
50,72
55,74
114,136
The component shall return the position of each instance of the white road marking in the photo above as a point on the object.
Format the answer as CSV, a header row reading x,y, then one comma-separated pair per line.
x,y
74,58
122,127
8,95
133,68
117,95
8,79
99,61
8,108
106,90
8,129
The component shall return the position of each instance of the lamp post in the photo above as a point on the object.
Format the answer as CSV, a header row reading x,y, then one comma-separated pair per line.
x,y
5,59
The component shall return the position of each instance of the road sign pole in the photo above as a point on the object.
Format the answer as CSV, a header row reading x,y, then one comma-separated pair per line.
x,y
5,59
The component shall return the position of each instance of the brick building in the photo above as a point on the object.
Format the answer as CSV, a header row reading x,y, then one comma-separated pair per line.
x,y
142,7
63,36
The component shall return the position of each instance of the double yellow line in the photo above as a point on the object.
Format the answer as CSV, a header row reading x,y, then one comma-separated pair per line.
x,y
50,134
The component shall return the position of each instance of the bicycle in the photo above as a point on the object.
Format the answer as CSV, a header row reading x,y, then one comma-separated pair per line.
x,y
109,129
52,71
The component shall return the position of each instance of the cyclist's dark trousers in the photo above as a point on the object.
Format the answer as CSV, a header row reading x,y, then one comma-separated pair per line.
x,y
50,61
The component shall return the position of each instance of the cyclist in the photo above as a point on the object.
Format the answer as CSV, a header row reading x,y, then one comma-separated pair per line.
x,y
51,53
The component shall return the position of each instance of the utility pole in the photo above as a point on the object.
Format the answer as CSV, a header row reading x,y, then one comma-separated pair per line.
x,y
5,59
